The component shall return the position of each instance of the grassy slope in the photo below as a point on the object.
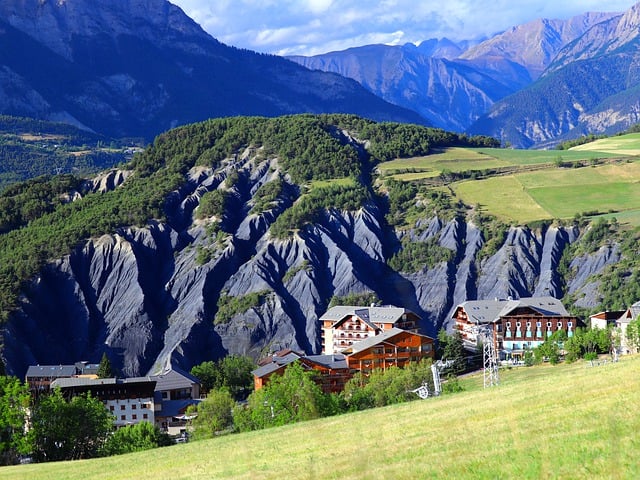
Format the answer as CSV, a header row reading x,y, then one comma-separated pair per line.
x,y
558,193
548,192
628,144
568,421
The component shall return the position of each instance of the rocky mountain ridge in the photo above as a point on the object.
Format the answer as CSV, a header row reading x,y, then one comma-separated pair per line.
x,y
453,85
590,87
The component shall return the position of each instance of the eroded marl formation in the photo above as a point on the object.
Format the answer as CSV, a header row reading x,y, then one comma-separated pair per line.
x,y
143,295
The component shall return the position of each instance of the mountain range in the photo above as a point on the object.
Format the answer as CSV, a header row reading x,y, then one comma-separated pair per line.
x,y
139,67
211,242
530,86
135,68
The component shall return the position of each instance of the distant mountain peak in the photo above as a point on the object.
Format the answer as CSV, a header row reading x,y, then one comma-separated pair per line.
x,y
56,22
535,44
135,68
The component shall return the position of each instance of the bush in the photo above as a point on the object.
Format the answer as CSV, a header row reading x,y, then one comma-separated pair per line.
x,y
135,438
229,306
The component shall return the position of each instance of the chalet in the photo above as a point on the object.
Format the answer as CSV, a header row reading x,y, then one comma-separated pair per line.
x,y
175,391
394,347
130,400
514,325
274,364
622,323
343,326
333,371
603,320
39,377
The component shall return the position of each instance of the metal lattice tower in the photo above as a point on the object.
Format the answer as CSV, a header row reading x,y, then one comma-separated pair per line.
x,y
491,376
489,355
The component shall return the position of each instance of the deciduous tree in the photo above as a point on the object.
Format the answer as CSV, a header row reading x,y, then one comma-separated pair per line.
x,y
135,438
214,414
14,404
69,429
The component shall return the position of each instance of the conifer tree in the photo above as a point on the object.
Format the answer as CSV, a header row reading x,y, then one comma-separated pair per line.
x,y
104,369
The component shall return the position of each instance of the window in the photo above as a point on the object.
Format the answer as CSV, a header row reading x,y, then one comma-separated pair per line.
x,y
548,324
122,407
123,417
134,417
134,407
569,324
518,324
111,408
538,324
528,324
508,324
559,324
145,416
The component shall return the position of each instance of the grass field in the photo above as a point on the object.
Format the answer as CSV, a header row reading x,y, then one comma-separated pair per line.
x,y
567,421
457,159
624,144
559,193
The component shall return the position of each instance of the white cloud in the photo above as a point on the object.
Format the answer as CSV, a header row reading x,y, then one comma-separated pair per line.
x,y
309,27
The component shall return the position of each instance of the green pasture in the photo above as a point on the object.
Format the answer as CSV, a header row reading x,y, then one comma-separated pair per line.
x,y
624,144
559,193
504,197
341,182
456,159
572,421
536,157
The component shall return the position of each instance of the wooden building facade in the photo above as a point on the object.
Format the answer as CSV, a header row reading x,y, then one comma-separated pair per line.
x,y
344,326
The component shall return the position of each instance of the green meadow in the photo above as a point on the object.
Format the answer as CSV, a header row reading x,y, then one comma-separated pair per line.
x,y
570,421
628,144
561,193
456,159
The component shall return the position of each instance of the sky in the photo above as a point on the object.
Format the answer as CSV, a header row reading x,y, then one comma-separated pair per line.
x,y
311,27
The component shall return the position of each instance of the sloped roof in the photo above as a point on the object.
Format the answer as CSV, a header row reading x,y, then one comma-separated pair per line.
x,y
631,313
174,408
271,367
92,382
370,315
488,311
174,379
373,341
51,371
336,361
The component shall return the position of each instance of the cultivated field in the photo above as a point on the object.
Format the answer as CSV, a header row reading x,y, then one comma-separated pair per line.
x,y
624,144
569,421
559,193
457,159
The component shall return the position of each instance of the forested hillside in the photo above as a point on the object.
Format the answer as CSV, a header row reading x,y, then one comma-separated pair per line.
x,y
30,148
234,235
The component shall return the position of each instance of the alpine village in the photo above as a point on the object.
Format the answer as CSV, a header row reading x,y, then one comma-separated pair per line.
x,y
390,261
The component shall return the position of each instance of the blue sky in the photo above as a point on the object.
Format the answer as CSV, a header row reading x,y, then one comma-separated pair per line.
x,y
309,27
